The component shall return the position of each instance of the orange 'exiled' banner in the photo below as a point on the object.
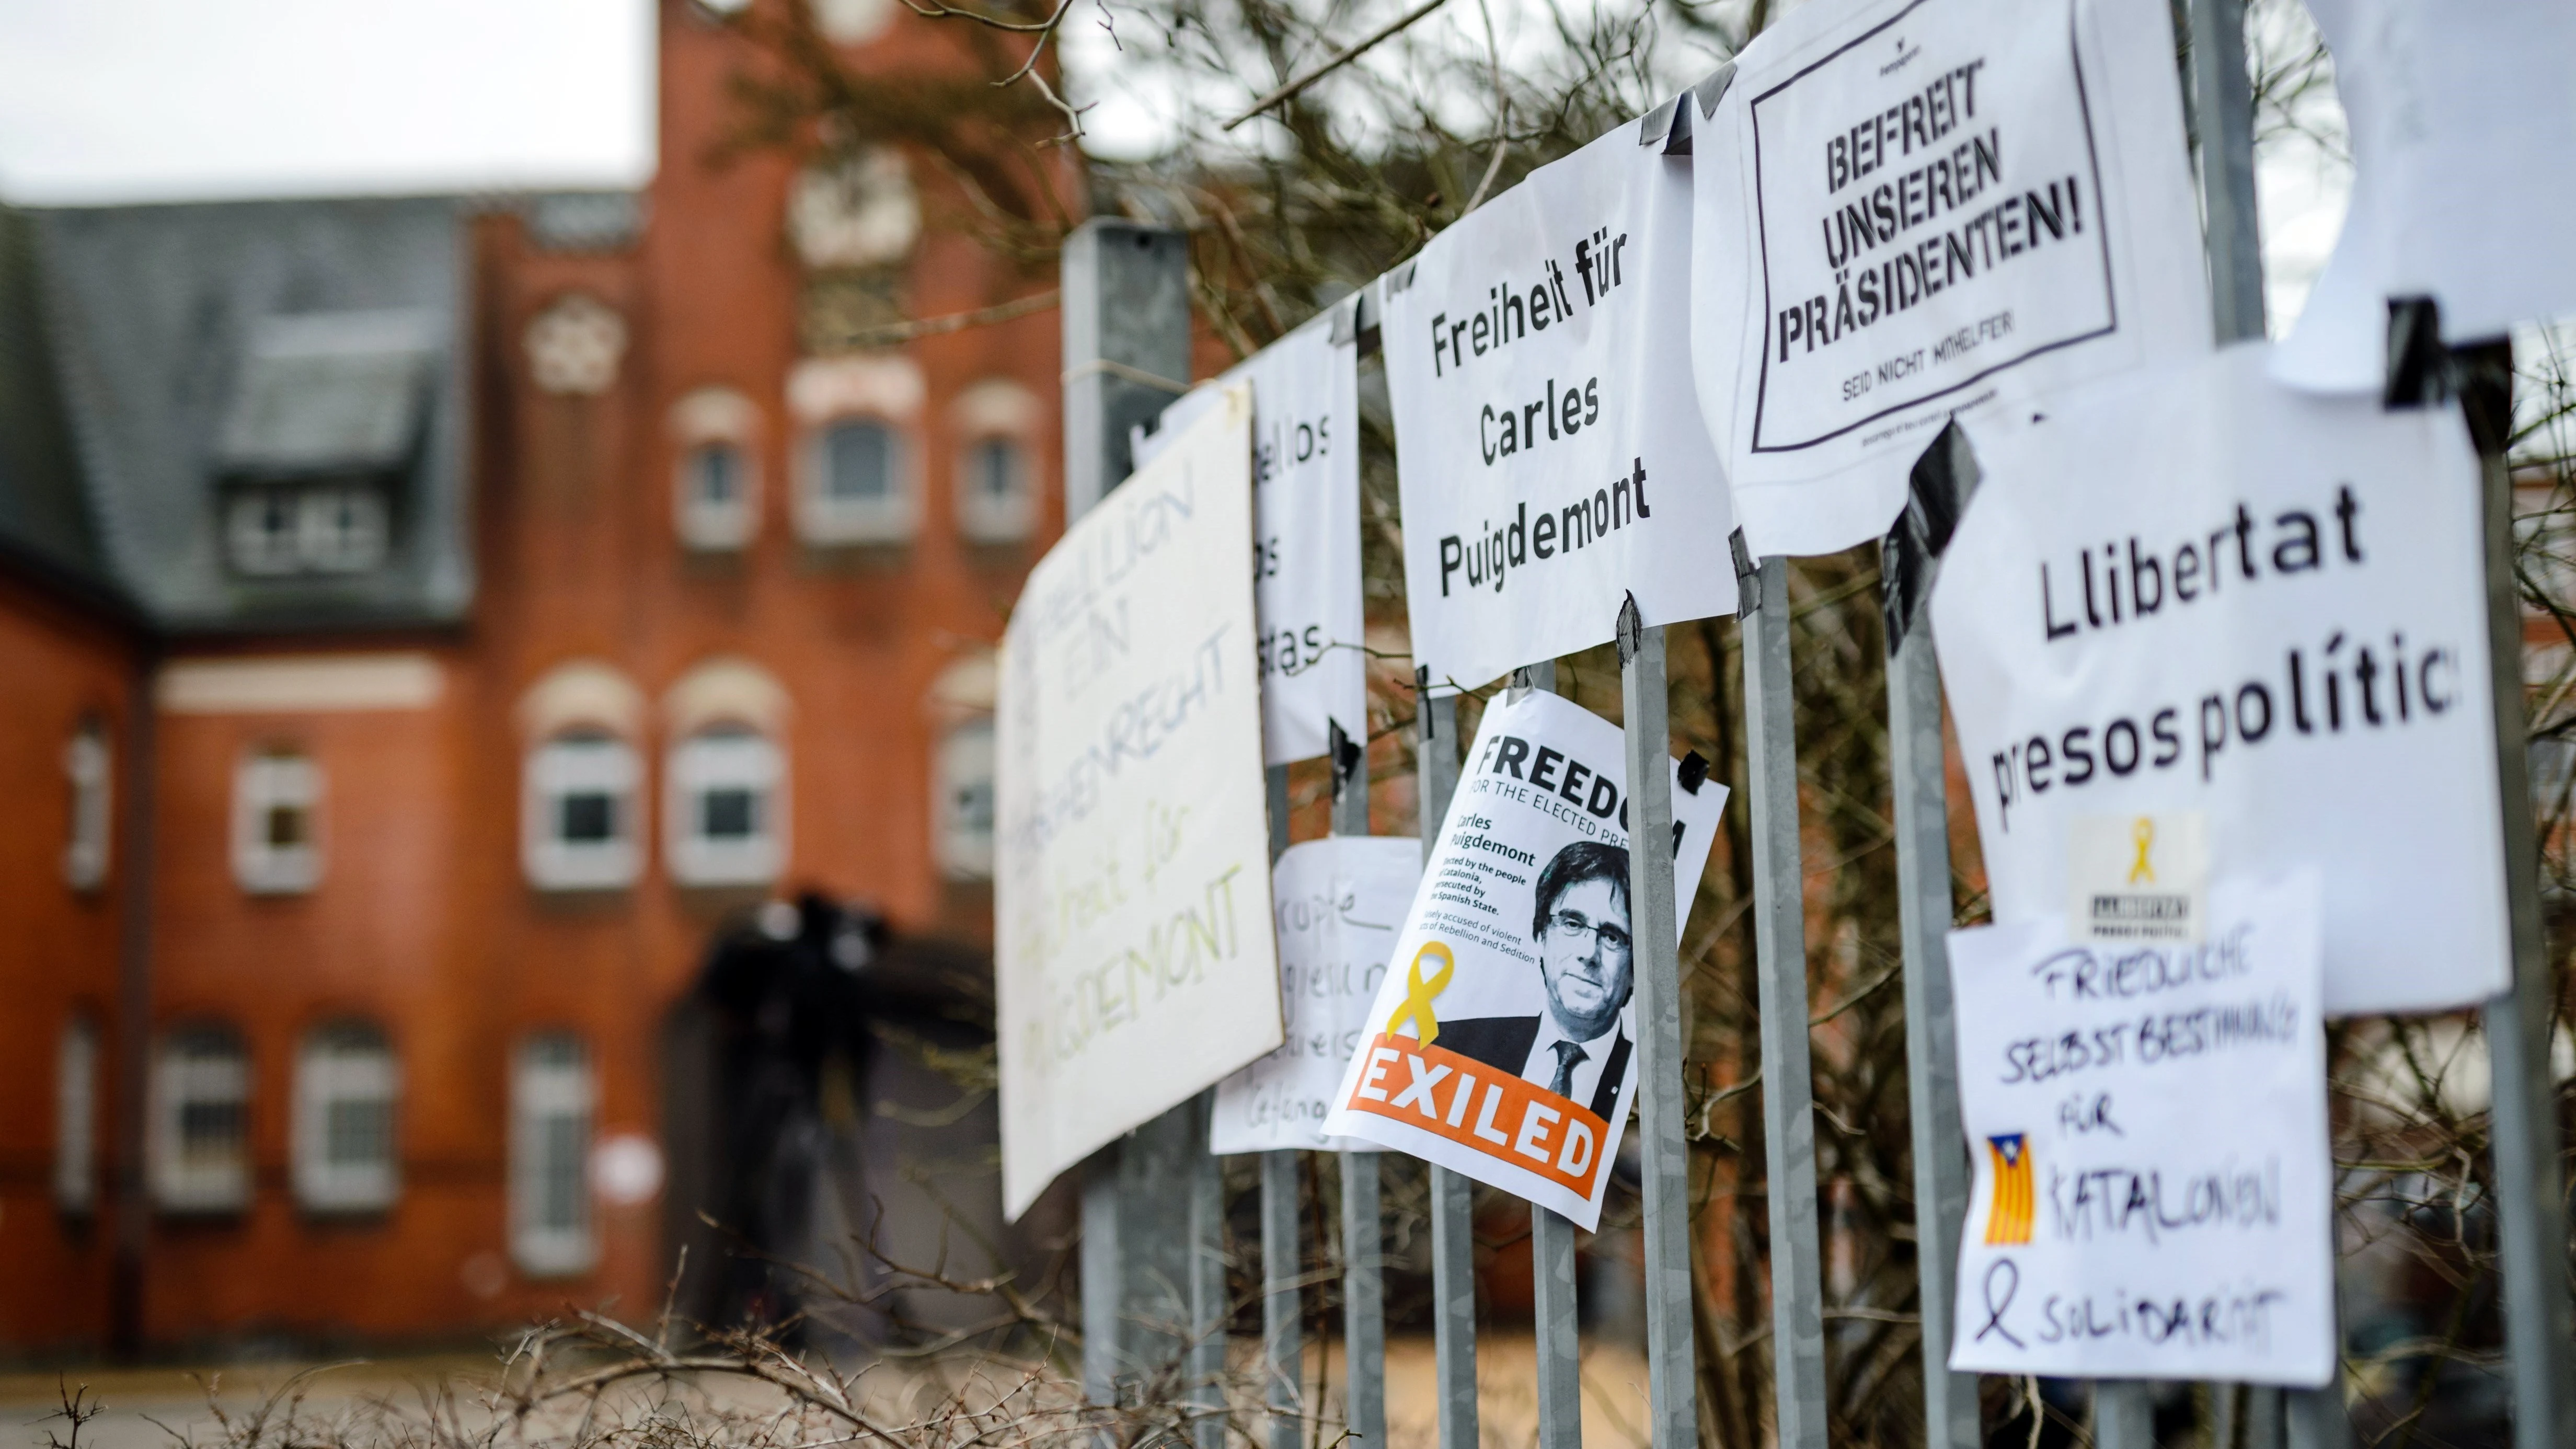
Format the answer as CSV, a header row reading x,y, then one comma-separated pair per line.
x,y
1482,1110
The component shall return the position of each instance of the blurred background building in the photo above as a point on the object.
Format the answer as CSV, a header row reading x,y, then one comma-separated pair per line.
x,y
430,629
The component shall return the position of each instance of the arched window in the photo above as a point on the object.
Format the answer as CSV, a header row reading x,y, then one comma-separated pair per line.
x,y
85,764
727,807
277,809
717,489
552,1100
346,1084
861,487
201,1121
996,471
578,822
964,807
76,1117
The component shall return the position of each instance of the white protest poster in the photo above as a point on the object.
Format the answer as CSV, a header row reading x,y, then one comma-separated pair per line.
x,y
1133,959
2462,118
1306,533
1502,1044
1338,904
1548,450
2154,1195
1914,208
2208,593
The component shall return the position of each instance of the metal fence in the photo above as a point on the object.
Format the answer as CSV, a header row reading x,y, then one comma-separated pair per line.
x,y
1153,1258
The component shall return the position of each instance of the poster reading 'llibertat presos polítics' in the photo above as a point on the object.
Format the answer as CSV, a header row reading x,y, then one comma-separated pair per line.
x,y
1134,963
1503,1043
1909,209
1550,457
2131,1217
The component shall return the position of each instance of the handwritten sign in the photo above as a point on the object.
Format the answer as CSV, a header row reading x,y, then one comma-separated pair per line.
x,y
2210,593
1548,451
1909,209
2130,1218
1338,904
1134,963
1502,1044
1306,533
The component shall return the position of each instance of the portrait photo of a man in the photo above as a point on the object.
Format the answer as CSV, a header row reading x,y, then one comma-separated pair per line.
x,y
1575,1047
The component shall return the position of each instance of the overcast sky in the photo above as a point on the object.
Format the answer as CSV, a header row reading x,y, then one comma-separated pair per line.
x,y
161,100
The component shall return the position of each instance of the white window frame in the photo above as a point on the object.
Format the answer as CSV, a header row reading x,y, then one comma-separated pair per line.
x,y
346,1064
967,759
710,526
581,762
550,1086
76,1064
342,528
250,545
725,757
199,1182
824,518
89,765
268,780
985,517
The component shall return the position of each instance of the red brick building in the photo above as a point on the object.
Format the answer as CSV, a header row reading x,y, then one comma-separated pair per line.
x,y
426,623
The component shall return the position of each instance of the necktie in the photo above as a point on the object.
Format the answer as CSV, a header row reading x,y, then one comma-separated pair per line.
x,y
1567,1054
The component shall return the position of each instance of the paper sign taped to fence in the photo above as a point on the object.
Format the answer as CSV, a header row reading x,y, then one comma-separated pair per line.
x,y
1908,209
1502,1044
2153,1195
1133,960
2208,592
1338,904
1548,448
2462,119
1306,533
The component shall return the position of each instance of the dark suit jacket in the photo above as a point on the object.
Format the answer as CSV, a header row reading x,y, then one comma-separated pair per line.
x,y
1504,1042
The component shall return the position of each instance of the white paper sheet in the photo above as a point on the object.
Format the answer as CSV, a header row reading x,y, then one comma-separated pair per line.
x,y
1907,209
2462,119
1518,942
2154,1193
1306,533
1133,959
1549,453
2297,648
1338,905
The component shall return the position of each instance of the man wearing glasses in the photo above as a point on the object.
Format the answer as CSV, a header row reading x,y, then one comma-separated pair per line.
x,y
1574,1048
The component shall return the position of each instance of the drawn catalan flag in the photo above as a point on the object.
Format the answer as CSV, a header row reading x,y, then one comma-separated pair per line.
x,y
2008,1222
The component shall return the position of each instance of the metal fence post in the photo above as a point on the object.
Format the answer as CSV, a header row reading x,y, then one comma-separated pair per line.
x,y
1780,936
1919,778
1126,348
1672,1382
1283,1348
1453,1246
1557,1326
1363,1251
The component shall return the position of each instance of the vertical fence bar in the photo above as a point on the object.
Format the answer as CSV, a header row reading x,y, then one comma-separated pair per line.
x,y
1363,1250
1672,1382
1453,1247
2124,1416
2531,1187
1126,314
1558,1323
1283,1349
1920,784
1780,938
1208,1306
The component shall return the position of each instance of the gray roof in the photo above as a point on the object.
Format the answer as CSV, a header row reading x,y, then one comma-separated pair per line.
x,y
195,345
44,516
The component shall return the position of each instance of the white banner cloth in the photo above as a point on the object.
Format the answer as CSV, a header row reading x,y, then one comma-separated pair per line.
x,y
1338,904
1913,208
1549,453
1133,959
2462,119
1502,1042
1306,533
2211,593
2154,1194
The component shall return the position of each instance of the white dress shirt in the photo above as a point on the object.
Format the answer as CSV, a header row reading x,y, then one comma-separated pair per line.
x,y
1541,1067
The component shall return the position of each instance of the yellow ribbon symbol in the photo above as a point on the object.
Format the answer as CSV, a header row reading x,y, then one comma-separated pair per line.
x,y
2143,834
1418,993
